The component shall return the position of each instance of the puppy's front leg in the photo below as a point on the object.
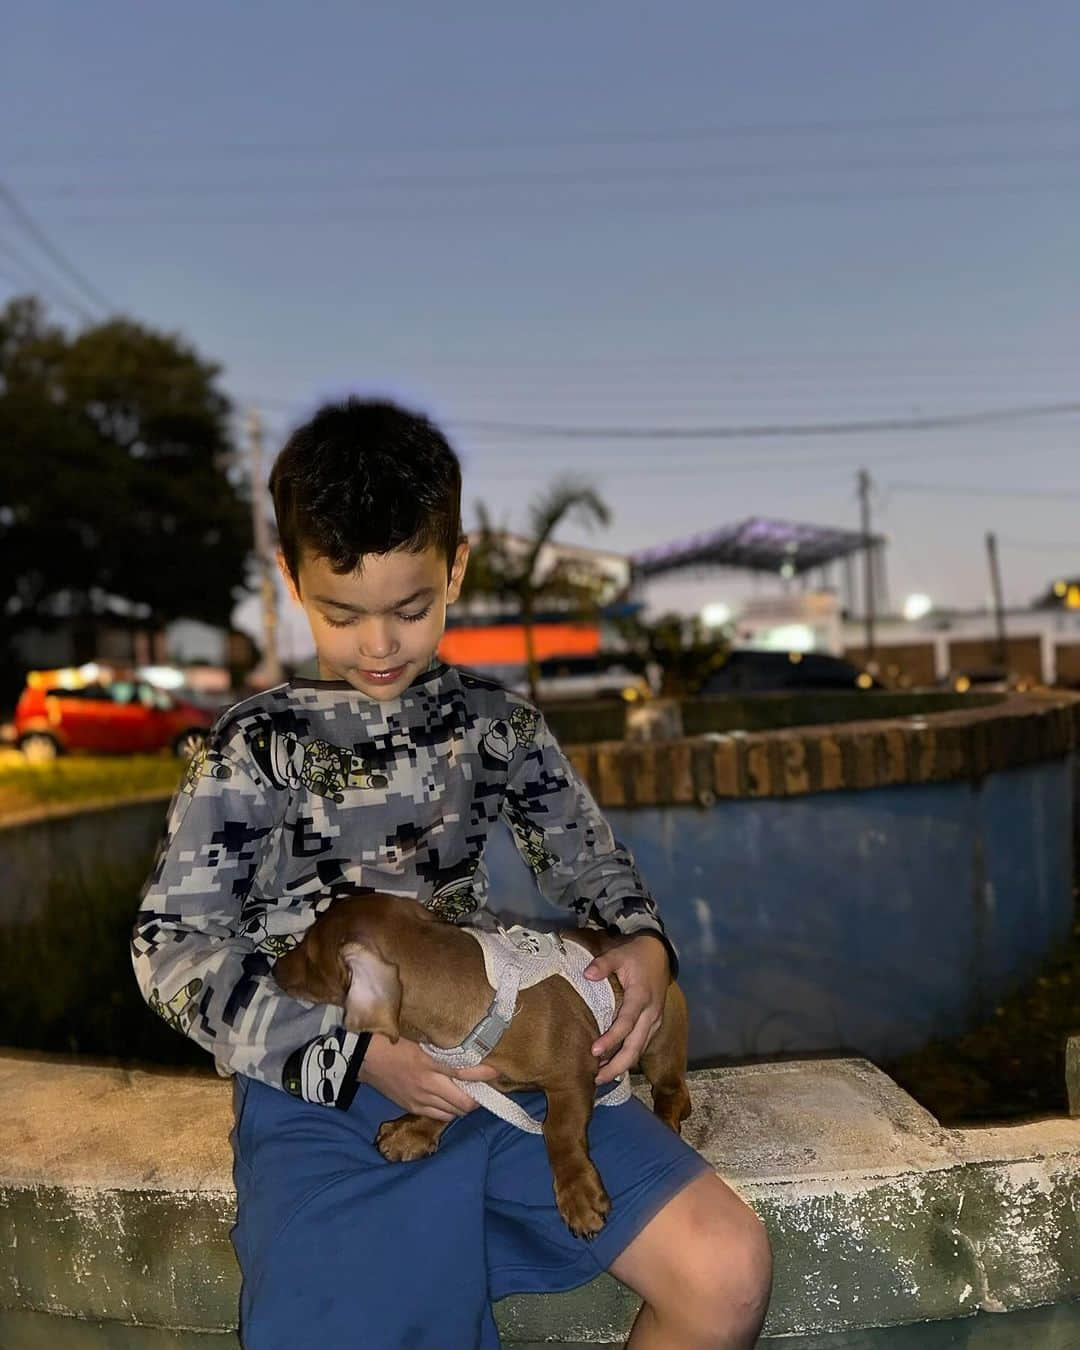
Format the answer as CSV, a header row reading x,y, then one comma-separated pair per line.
x,y
579,1192
664,1062
409,1137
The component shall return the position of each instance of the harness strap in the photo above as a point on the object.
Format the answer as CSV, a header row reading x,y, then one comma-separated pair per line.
x,y
485,1036
499,1104
534,959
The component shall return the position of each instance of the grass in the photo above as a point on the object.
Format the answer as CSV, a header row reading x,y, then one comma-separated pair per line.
x,y
1012,1065
79,778
81,996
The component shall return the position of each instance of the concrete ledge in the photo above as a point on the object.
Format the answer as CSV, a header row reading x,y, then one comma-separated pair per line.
x,y
926,748
116,1203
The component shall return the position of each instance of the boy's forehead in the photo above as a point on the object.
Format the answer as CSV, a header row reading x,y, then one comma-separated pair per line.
x,y
389,576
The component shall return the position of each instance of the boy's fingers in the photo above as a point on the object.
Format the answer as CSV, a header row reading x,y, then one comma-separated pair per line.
x,y
627,1019
464,1101
452,1099
627,1057
600,966
481,1072
428,1104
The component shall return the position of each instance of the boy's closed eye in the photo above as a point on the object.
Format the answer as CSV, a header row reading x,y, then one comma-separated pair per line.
x,y
408,618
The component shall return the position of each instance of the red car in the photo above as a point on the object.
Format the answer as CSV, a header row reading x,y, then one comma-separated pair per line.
x,y
101,712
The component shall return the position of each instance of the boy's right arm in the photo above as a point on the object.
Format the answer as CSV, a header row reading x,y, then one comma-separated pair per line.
x,y
196,968
208,980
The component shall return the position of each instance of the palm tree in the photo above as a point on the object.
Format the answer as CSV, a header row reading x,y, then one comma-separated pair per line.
x,y
684,648
495,569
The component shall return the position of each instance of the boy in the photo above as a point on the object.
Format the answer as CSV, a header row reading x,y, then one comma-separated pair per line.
x,y
387,774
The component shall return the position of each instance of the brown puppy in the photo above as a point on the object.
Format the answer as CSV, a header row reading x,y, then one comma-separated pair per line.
x,y
397,969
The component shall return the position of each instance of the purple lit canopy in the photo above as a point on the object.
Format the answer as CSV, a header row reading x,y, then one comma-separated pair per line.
x,y
755,545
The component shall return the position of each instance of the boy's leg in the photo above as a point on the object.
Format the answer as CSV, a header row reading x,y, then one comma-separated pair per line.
x,y
677,1234
338,1247
703,1267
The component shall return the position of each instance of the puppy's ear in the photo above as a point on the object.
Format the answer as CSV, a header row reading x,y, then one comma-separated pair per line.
x,y
373,991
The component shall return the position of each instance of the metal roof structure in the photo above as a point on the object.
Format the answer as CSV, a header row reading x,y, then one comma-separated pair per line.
x,y
756,545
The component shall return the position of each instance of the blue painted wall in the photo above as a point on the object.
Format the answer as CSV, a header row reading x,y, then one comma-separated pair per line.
x,y
866,921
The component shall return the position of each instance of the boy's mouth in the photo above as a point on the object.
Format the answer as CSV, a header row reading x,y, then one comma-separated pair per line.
x,y
382,676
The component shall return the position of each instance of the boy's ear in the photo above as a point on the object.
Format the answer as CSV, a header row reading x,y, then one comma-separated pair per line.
x,y
457,571
283,568
372,991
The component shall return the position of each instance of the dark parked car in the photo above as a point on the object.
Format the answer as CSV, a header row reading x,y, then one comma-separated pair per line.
x,y
103,713
756,672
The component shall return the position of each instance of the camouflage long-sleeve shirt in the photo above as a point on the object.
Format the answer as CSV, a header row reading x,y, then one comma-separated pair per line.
x,y
311,791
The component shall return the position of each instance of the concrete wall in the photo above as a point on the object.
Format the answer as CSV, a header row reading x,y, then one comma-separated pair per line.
x,y
116,1203
863,922
1023,655
917,661
858,887
77,843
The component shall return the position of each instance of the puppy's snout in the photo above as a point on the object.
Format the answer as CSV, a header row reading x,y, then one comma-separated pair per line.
x,y
288,971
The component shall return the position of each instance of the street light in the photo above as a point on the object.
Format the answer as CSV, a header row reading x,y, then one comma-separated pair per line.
x,y
917,605
715,615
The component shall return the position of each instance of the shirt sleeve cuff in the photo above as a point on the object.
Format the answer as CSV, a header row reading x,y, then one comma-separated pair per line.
x,y
351,1081
673,955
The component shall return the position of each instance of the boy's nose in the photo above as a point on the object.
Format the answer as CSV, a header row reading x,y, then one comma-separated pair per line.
x,y
378,643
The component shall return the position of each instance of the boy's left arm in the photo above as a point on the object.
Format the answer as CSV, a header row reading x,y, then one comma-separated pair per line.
x,y
578,864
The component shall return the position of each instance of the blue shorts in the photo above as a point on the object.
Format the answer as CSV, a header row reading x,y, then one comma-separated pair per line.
x,y
339,1247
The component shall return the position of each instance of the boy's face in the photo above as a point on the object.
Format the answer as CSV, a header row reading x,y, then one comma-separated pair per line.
x,y
387,617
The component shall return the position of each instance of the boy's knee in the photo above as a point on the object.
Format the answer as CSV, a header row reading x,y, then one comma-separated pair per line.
x,y
725,1278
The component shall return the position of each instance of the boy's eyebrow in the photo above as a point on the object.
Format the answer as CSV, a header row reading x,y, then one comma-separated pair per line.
x,y
356,609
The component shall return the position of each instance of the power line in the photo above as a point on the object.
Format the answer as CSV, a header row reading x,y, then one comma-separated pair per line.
x,y
802,430
1043,545
554,431
769,360
599,176
34,230
665,205
666,468
976,490
731,131
38,281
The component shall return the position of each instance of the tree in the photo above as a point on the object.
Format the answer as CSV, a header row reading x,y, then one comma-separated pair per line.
x,y
685,649
115,490
497,569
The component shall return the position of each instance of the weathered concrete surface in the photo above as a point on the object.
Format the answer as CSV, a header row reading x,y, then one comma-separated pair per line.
x,y
1072,1074
116,1203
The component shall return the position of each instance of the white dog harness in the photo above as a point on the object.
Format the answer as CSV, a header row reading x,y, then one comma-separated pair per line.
x,y
514,959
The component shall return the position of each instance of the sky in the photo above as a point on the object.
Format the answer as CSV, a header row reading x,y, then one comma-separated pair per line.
x,y
679,218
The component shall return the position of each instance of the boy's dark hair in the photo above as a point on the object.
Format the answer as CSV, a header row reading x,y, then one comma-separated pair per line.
x,y
365,476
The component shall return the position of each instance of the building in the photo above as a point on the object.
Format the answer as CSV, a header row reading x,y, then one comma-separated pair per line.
x,y
486,633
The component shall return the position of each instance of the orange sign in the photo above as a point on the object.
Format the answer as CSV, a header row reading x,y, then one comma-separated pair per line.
x,y
504,644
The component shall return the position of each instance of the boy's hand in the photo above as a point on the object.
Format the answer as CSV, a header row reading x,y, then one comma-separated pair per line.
x,y
404,1073
644,971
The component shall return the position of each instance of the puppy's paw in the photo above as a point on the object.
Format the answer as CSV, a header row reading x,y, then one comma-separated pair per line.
x,y
408,1138
584,1205
672,1107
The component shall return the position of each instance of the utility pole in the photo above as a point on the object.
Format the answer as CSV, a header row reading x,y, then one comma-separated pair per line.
x,y
261,530
868,562
999,604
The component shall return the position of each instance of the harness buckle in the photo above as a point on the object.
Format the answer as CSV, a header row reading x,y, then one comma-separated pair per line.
x,y
487,1033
